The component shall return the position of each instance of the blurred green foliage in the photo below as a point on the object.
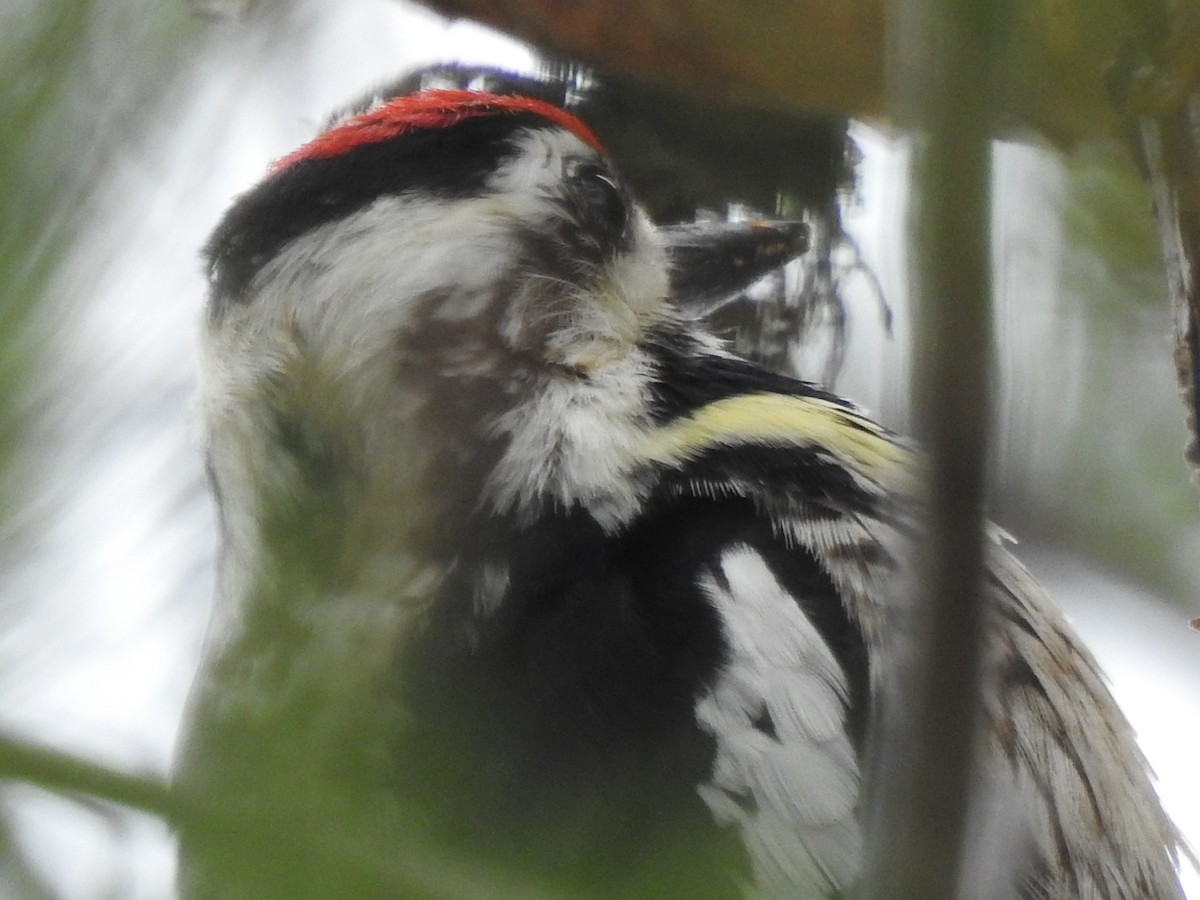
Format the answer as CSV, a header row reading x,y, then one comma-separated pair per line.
x,y
40,45
40,42
63,110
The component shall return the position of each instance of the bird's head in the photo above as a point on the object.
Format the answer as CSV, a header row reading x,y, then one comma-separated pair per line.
x,y
440,303
492,225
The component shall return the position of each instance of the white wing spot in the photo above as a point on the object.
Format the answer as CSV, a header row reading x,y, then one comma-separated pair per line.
x,y
800,829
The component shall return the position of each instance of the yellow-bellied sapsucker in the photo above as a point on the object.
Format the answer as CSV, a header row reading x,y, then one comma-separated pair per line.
x,y
520,564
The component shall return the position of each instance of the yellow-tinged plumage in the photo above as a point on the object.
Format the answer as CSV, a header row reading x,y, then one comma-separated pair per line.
x,y
782,420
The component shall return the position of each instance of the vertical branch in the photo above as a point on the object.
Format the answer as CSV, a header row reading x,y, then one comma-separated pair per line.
x,y
1159,93
943,55
1171,144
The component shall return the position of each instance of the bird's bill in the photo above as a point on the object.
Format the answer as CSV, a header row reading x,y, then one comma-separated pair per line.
x,y
712,262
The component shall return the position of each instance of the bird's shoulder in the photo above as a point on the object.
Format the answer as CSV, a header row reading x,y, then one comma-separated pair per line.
x,y
704,629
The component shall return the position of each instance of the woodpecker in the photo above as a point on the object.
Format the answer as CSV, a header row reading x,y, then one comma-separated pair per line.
x,y
520,564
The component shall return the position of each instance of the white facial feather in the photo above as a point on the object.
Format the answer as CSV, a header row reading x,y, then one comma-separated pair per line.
x,y
574,442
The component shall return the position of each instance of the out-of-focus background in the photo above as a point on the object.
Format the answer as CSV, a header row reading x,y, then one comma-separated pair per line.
x,y
127,129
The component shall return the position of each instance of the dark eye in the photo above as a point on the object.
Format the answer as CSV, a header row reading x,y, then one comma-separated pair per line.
x,y
602,200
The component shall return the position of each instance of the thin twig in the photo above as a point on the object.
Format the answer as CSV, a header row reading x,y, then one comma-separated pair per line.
x,y
924,771
63,773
